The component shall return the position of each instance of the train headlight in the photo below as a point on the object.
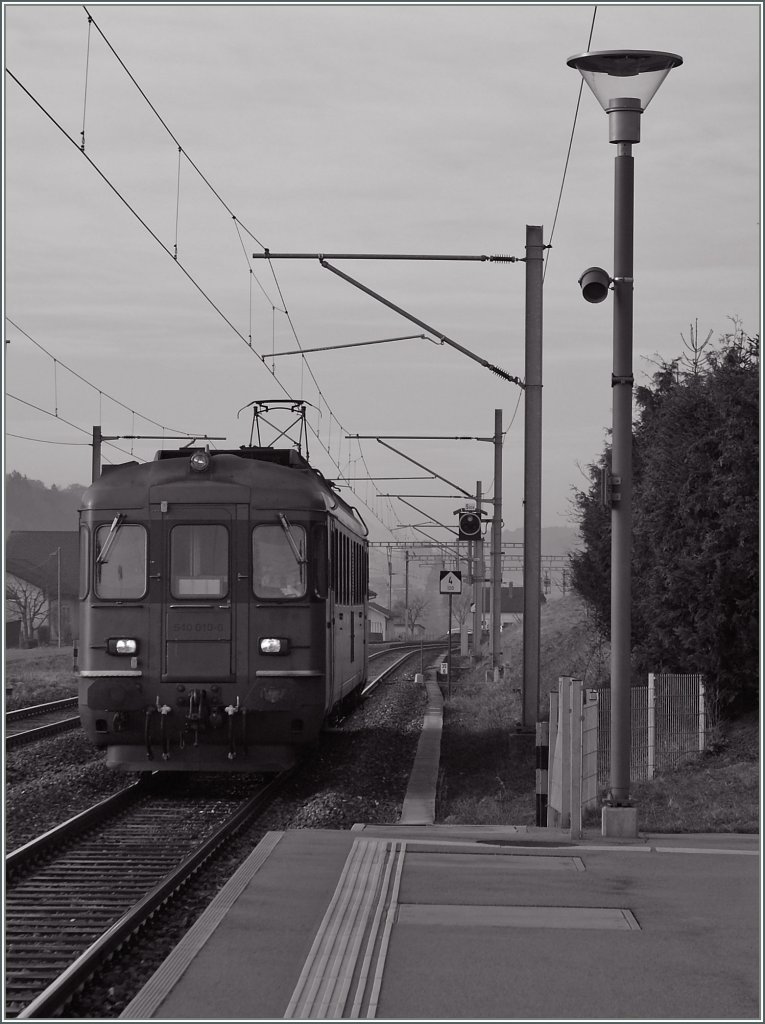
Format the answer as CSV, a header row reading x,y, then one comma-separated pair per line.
x,y
121,645
200,461
273,694
274,645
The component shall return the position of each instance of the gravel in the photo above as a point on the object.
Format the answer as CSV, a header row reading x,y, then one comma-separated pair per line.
x,y
359,774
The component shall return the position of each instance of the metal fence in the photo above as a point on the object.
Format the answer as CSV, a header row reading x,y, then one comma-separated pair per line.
x,y
668,723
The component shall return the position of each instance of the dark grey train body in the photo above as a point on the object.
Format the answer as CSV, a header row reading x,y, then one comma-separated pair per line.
x,y
223,609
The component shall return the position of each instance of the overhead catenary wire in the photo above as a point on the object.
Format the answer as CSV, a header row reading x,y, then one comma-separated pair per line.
x,y
85,95
90,384
45,440
568,152
179,264
305,363
56,416
240,227
122,199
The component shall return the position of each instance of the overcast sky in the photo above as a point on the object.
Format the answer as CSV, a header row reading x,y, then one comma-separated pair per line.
x,y
429,129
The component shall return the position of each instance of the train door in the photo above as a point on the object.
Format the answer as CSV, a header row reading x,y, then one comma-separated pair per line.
x,y
203,622
339,610
329,560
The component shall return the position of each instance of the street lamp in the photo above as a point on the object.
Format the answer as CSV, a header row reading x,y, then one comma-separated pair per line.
x,y
624,82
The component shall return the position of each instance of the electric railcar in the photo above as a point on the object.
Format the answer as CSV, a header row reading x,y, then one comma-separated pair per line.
x,y
223,609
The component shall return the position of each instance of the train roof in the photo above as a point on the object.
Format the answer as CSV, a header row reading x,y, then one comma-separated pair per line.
x,y
276,456
267,478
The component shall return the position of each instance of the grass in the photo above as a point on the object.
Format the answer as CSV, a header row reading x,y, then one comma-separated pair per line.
x,y
487,767
488,770
715,791
38,675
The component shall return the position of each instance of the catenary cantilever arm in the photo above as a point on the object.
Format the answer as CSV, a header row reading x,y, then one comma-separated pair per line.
x,y
421,323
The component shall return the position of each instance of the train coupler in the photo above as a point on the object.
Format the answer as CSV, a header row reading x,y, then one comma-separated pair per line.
x,y
232,710
164,710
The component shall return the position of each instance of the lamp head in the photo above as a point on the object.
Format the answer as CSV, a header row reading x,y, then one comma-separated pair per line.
x,y
624,83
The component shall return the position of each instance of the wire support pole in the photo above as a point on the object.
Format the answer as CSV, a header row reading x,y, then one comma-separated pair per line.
x,y
532,475
416,437
496,544
420,323
350,344
267,255
420,466
477,570
432,523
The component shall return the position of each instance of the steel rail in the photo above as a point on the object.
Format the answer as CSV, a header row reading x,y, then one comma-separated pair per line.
x,y
40,709
28,854
50,1002
17,739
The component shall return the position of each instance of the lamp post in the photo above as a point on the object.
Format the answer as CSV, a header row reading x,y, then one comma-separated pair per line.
x,y
624,82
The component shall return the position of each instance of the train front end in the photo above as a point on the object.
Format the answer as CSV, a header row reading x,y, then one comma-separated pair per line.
x,y
203,636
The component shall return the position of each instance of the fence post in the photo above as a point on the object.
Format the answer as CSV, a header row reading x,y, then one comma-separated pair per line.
x,y
553,753
651,771
589,750
575,781
543,756
564,739
702,714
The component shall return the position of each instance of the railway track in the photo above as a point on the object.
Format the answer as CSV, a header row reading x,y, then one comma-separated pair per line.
x,y
77,893
48,719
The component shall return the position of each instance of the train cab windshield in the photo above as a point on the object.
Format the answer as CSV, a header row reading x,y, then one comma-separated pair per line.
x,y
120,556
199,560
279,561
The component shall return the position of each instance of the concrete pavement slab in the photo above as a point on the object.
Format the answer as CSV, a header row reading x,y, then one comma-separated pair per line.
x,y
417,923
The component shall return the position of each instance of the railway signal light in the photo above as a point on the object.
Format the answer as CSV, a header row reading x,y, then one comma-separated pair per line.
x,y
469,525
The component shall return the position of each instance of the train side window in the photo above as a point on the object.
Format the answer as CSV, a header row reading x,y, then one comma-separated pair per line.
x,y
346,569
333,564
84,562
120,557
319,559
278,566
340,569
199,560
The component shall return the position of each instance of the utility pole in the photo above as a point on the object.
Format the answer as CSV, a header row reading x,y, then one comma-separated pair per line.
x,y
496,541
477,578
406,592
532,476
58,594
96,463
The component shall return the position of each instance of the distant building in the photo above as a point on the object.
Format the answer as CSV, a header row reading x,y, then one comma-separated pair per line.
x,y
511,604
41,577
379,617
398,630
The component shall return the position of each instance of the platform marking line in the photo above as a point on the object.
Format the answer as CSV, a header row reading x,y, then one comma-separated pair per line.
x,y
354,913
312,975
373,936
340,973
701,849
509,917
155,991
389,920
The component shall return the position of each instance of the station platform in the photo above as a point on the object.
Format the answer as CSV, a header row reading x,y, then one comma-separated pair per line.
x,y
431,922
